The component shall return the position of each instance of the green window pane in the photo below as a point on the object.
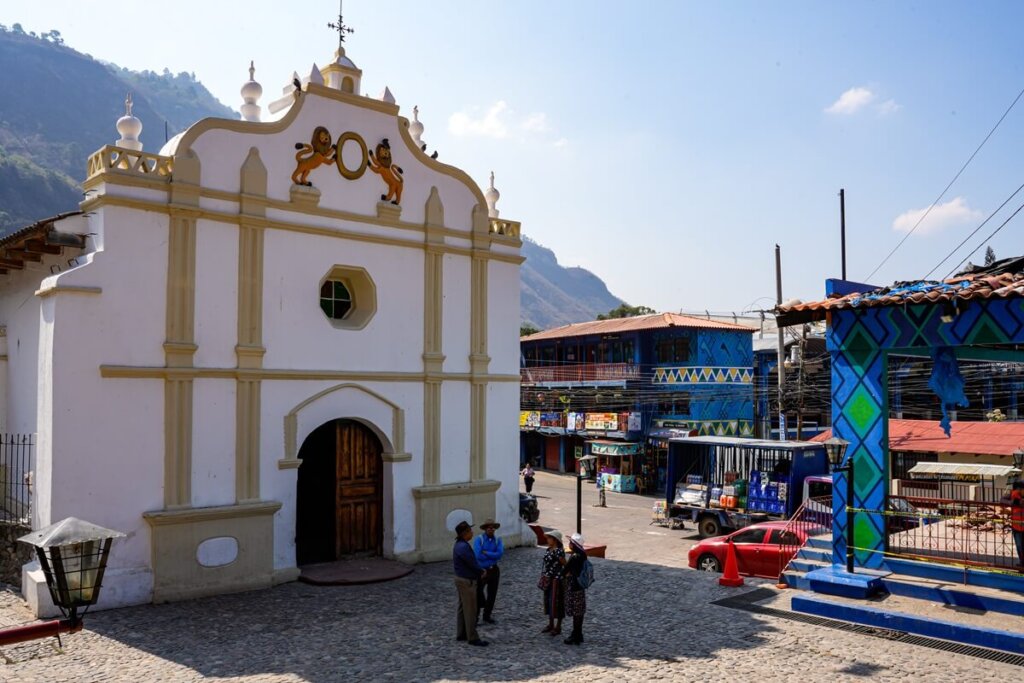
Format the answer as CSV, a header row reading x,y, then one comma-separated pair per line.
x,y
328,307
325,290
341,309
340,292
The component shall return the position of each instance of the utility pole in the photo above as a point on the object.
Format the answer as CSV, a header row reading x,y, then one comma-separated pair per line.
x,y
782,346
842,227
800,387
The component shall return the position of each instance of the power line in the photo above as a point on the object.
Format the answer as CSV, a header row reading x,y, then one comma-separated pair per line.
x,y
973,233
994,232
943,193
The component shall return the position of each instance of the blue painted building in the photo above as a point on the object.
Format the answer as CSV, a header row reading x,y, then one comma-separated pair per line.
x,y
638,380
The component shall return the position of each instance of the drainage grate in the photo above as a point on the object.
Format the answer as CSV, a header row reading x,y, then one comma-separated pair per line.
x,y
747,602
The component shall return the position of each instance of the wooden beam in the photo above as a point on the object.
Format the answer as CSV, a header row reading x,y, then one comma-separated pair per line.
x,y
41,247
11,263
24,255
65,239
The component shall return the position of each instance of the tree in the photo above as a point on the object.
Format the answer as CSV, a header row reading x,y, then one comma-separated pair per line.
x,y
990,256
625,311
17,29
526,329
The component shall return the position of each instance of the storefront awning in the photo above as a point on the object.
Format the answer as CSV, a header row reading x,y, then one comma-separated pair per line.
x,y
615,447
962,469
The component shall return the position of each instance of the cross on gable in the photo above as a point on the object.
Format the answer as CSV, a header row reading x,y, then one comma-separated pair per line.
x,y
340,26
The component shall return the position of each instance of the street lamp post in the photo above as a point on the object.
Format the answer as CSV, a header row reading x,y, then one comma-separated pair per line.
x,y
836,449
73,555
579,490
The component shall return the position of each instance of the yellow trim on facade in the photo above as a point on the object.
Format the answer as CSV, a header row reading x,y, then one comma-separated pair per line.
x,y
67,289
156,372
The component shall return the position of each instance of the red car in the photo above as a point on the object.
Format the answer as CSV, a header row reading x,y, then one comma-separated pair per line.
x,y
761,549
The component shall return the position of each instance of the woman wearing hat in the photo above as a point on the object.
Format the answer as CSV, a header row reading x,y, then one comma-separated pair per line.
x,y
489,550
575,594
551,582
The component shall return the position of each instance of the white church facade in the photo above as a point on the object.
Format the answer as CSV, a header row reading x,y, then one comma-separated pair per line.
x,y
274,342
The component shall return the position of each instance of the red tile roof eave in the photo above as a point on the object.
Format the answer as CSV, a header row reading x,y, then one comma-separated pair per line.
x,y
969,438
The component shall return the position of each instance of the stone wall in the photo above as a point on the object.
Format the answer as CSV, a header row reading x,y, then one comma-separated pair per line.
x,y
13,554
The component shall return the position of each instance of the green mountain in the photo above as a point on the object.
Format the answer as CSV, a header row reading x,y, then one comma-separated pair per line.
x,y
60,105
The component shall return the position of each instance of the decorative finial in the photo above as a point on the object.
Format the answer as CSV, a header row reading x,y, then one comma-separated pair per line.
x,y
386,96
491,195
416,129
129,127
340,27
251,92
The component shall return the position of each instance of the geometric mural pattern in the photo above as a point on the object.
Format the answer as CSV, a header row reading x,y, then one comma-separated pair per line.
x,y
703,375
859,340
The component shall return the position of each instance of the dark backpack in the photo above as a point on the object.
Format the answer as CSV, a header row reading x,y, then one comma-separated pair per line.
x,y
586,577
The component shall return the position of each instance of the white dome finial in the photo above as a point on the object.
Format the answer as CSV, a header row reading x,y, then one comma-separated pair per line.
x,y
251,92
416,129
491,195
386,96
129,127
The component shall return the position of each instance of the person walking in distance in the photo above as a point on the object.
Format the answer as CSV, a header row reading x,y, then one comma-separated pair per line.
x,y
576,585
528,475
1017,520
551,583
489,550
467,574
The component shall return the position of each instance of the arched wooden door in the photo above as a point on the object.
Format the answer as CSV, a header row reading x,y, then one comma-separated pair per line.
x,y
340,494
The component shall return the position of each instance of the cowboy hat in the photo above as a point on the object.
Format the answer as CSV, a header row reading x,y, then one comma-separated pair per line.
x,y
489,523
577,540
555,534
462,527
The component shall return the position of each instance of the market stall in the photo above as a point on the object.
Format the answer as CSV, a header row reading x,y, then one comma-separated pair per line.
x,y
616,463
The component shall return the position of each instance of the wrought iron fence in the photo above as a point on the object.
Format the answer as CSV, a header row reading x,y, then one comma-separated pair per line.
x,y
17,467
961,532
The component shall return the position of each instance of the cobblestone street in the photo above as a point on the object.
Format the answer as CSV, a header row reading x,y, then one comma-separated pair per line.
x,y
646,621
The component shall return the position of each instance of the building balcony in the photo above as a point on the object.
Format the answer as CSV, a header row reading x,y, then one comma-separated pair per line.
x,y
586,373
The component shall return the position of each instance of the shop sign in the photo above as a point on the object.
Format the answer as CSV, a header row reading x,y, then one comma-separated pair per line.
x,y
575,422
615,448
529,418
551,419
607,422
634,422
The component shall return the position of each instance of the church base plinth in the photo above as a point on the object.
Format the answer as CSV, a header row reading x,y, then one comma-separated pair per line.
x,y
434,503
208,551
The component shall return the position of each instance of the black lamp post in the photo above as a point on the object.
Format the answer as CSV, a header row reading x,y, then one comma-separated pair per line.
x,y
579,489
836,449
73,555
1018,461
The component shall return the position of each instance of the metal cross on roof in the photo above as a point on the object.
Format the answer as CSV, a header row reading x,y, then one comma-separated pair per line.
x,y
340,26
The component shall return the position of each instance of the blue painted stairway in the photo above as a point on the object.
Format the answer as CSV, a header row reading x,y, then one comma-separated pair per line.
x,y
815,554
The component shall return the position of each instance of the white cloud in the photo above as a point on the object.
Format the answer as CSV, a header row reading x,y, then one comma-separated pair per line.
x,y
951,214
536,123
888,107
490,125
851,101
561,142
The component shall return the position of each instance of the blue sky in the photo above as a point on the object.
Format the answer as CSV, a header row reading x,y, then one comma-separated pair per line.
x,y
666,146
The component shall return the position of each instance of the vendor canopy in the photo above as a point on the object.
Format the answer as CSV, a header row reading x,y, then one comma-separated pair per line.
x,y
925,470
614,447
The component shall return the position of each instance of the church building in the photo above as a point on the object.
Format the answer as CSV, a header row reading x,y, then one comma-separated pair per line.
x,y
280,340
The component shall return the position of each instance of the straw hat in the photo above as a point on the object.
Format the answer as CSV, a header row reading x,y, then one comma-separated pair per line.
x,y
577,540
489,523
555,534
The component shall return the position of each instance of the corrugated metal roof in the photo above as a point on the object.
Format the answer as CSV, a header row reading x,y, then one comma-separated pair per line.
x,y
641,322
972,438
38,226
963,468
1003,279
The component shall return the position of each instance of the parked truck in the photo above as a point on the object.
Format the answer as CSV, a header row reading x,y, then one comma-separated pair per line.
x,y
722,484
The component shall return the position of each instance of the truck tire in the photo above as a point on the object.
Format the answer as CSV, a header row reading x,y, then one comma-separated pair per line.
x,y
708,526
708,563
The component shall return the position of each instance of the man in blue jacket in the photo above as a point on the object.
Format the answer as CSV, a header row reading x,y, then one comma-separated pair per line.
x,y
468,574
488,549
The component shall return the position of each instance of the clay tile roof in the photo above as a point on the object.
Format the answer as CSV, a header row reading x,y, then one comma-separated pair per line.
x,y
926,436
1004,278
641,322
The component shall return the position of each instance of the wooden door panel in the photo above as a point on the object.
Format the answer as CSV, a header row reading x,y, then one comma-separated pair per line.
x,y
359,490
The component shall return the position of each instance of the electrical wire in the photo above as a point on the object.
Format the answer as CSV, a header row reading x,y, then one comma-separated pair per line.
x,y
973,233
946,189
994,233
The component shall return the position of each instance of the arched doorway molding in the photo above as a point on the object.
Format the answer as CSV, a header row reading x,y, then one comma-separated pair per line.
x,y
346,401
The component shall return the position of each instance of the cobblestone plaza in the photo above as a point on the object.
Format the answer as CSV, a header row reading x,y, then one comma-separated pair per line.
x,y
646,621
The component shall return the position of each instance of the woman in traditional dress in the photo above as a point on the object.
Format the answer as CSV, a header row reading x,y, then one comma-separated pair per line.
x,y
551,583
575,593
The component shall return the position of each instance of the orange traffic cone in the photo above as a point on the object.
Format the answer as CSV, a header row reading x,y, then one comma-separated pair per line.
x,y
731,577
